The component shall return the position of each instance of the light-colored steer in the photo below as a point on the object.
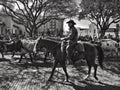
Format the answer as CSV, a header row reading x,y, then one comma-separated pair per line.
x,y
109,46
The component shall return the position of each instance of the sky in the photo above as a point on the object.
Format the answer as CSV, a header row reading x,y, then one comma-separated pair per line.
x,y
79,23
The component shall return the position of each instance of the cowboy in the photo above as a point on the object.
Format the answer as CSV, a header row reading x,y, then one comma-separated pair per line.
x,y
72,38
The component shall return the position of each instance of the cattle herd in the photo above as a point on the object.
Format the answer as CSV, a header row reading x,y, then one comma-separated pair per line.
x,y
110,47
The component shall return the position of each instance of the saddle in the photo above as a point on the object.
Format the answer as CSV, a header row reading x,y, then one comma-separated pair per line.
x,y
78,50
80,47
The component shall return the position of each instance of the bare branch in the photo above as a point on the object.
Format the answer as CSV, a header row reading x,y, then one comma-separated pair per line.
x,y
34,13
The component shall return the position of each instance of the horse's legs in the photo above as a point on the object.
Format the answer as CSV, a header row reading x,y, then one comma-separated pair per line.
x,y
34,55
21,58
89,71
2,54
55,65
46,54
31,57
95,71
13,53
65,70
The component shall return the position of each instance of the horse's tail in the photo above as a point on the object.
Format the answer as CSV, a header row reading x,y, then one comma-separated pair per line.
x,y
100,55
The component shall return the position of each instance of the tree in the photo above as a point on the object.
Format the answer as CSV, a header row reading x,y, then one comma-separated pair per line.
x,y
32,14
102,13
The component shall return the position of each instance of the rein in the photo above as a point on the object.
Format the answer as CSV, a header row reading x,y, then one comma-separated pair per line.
x,y
64,45
54,47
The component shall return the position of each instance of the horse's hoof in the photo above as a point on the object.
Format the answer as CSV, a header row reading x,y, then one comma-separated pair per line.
x,y
12,56
19,62
33,62
49,80
96,78
66,80
86,77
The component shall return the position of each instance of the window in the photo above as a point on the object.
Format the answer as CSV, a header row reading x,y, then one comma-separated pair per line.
x,y
53,24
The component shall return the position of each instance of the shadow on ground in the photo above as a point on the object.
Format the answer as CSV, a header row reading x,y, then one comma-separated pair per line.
x,y
87,86
34,76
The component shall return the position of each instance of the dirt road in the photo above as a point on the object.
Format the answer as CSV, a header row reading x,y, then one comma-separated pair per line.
x,y
27,76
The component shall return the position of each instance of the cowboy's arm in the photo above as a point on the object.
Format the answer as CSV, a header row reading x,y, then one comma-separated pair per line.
x,y
70,36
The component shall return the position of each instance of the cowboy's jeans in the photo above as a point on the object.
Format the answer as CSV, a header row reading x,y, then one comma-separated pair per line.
x,y
69,52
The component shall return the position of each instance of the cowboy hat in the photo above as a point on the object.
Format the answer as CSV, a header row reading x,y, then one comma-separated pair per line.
x,y
71,21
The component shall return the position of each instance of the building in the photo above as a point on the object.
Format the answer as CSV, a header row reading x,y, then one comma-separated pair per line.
x,y
92,31
54,26
7,26
82,31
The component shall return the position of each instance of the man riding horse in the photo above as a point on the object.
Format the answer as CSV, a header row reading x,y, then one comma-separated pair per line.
x,y
72,39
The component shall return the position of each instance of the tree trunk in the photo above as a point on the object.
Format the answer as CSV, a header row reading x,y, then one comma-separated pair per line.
x,y
33,32
102,34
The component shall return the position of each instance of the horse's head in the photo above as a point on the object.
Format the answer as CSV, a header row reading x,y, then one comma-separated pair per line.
x,y
45,43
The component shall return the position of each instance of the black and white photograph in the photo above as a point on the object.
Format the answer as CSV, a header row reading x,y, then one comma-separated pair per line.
x,y
59,44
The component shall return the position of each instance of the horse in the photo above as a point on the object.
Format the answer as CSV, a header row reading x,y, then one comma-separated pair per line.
x,y
59,53
13,46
